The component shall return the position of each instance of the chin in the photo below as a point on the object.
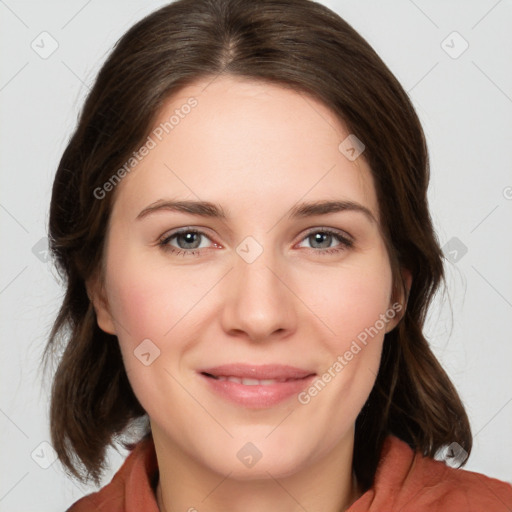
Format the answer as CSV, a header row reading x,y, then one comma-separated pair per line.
x,y
263,458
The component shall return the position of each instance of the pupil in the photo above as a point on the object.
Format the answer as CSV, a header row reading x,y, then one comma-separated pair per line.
x,y
189,239
319,236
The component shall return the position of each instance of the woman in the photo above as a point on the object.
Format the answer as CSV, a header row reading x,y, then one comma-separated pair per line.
x,y
223,140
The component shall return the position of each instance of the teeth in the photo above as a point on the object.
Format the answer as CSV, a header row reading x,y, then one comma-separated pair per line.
x,y
251,382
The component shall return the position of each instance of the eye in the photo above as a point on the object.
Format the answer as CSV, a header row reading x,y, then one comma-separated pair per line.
x,y
322,238
190,241
187,240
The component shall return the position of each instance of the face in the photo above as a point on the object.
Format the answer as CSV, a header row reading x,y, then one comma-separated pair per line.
x,y
295,299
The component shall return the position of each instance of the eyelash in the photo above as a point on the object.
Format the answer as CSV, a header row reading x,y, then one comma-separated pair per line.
x,y
345,242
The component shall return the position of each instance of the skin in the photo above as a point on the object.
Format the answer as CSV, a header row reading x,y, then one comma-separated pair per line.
x,y
256,149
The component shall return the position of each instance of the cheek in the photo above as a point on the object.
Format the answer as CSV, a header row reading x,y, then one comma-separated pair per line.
x,y
153,301
147,306
146,301
352,298
355,306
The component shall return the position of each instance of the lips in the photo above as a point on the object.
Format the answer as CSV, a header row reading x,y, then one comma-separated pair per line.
x,y
256,387
239,372
250,382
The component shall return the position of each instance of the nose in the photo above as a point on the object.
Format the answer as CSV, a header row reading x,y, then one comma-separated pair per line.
x,y
259,301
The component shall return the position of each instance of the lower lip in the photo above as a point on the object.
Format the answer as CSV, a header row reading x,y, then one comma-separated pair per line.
x,y
257,397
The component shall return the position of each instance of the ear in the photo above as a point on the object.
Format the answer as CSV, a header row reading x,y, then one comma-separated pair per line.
x,y
98,297
399,301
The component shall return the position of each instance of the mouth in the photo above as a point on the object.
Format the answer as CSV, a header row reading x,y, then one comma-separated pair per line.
x,y
256,387
247,381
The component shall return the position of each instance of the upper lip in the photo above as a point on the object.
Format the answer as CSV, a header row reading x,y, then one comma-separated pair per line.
x,y
259,372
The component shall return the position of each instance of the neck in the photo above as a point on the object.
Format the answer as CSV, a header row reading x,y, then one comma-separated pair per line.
x,y
327,485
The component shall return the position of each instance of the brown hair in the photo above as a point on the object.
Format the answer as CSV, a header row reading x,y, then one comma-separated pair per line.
x,y
294,43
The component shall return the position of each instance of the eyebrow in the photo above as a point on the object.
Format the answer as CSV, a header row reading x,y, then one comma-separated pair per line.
x,y
325,207
301,210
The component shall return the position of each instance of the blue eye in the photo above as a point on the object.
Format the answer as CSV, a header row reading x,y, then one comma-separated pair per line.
x,y
325,237
189,241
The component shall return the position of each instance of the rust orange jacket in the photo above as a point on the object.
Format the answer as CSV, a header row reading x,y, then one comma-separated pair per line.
x,y
405,481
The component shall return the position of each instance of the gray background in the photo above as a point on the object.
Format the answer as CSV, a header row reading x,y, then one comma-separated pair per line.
x,y
464,99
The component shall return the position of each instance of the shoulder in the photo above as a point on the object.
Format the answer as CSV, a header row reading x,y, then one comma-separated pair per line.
x,y
448,488
407,481
131,487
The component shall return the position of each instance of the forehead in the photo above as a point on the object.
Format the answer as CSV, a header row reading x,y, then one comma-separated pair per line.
x,y
253,144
